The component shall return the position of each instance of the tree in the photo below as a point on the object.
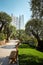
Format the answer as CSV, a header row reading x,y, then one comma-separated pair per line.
x,y
19,33
22,36
37,9
35,27
36,24
12,31
9,31
4,20
37,14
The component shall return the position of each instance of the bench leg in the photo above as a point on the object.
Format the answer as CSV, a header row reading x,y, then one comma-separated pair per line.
x,y
13,61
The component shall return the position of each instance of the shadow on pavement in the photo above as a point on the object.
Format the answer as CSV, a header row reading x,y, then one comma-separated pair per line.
x,y
9,47
5,61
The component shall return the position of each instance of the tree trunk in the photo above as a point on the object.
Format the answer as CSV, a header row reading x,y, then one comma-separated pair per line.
x,y
7,39
40,45
40,42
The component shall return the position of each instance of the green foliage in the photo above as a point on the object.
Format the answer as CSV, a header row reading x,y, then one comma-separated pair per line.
x,y
34,27
6,28
37,9
22,36
5,20
13,31
24,46
26,39
5,17
2,36
33,42
10,31
19,33
29,56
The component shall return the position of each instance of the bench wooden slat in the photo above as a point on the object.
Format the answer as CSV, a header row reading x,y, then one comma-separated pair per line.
x,y
13,56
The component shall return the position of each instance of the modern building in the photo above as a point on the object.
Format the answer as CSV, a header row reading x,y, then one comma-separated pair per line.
x,y
18,22
21,21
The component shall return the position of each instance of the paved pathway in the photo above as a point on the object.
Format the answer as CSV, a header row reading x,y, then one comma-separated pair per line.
x,y
5,52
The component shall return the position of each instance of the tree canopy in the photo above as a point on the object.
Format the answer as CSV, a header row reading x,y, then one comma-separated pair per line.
x,y
37,8
35,26
5,27
4,19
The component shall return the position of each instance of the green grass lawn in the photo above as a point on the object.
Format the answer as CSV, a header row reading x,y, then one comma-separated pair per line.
x,y
29,56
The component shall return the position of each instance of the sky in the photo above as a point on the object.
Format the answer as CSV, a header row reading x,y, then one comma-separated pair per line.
x,y
16,7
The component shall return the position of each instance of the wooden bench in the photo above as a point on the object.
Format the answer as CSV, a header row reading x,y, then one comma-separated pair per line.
x,y
13,56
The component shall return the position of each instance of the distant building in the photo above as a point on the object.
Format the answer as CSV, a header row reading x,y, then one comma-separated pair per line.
x,y
18,22
21,22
